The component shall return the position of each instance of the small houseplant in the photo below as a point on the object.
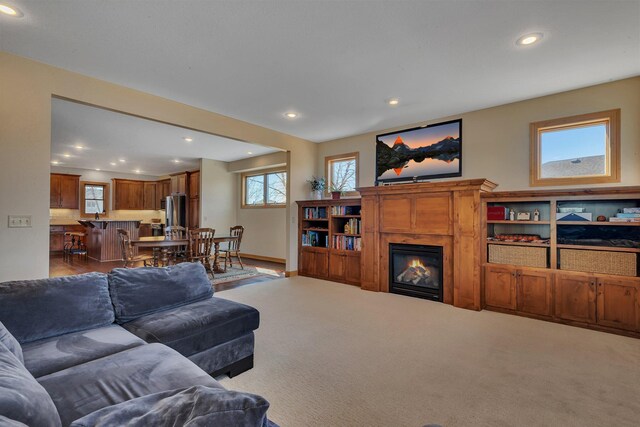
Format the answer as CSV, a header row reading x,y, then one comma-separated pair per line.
x,y
336,192
318,184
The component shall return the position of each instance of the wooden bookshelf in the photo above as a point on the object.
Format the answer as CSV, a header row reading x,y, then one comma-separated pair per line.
x,y
321,256
586,288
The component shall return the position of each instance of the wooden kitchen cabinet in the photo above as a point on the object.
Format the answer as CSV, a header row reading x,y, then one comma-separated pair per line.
x,y
163,189
194,213
149,197
618,304
194,184
179,183
500,287
575,297
128,194
64,191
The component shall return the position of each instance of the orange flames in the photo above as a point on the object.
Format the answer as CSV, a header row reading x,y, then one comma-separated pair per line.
x,y
417,263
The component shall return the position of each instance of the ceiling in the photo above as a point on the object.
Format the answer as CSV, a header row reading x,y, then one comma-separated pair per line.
x,y
333,62
149,147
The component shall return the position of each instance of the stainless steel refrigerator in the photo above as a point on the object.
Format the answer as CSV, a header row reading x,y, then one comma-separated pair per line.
x,y
176,210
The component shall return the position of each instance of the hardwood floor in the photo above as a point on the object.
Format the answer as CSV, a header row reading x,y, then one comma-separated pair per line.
x,y
59,267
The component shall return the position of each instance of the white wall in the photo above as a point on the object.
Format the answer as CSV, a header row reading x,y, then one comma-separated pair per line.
x,y
495,141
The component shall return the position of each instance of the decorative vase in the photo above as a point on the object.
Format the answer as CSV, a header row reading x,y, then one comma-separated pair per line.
x,y
335,195
316,194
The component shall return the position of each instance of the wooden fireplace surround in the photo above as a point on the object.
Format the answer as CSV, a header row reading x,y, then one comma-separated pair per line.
x,y
443,214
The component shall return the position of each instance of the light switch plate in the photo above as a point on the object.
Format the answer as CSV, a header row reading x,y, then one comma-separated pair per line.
x,y
19,221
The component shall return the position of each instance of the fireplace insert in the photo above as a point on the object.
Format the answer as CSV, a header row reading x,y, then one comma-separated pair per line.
x,y
416,270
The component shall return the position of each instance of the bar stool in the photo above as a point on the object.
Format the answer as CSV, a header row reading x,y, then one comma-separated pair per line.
x,y
74,245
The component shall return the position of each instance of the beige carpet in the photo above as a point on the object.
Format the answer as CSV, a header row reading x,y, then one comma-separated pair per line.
x,y
332,355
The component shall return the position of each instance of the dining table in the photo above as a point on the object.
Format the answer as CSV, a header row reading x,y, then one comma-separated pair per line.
x,y
216,251
161,246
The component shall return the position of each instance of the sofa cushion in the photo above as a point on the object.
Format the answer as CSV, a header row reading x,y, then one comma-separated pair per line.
x,y
11,343
196,327
54,354
193,406
137,372
137,292
55,306
22,399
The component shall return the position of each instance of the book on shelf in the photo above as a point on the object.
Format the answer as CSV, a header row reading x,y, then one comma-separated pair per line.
x,y
631,210
616,219
352,226
627,215
315,213
345,210
497,213
316,239
347,243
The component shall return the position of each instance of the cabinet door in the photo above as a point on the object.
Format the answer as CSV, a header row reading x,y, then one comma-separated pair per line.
x,y
337,266
120,194
500,287
618,304
54,194
575,297
194,184
352,268
69,196
159,195
145,230
194,213
149,197
135,195
179,183
534,292
56,238
314,263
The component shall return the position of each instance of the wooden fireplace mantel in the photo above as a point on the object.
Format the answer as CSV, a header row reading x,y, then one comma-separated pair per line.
x,y
443,214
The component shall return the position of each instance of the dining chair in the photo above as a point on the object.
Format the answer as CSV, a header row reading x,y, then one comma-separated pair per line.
x,y
200,243
233,249
127,251
176,232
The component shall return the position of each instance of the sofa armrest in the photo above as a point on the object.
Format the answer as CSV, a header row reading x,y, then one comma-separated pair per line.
x,y
204,405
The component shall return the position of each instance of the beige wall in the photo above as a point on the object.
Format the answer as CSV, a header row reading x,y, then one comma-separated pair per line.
x,y
217,196
265,228
495,141
26,88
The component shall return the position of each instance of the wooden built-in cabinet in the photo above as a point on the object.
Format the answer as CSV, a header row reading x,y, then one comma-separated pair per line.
x,y
148,195
329,240
128,194
64,191
163,189
179,182
592,276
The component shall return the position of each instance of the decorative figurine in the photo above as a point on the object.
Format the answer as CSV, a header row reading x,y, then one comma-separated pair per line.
x,y
601,218
512,215
536,215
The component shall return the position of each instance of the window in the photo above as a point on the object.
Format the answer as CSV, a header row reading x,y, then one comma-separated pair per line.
x,y
265,189
342,173
576,150
94,198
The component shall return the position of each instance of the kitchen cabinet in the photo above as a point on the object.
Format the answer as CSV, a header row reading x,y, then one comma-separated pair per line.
x,y
194,184
128,194
56,235
145,230
194,213
179,183
576,297
149,196
163,189
64,191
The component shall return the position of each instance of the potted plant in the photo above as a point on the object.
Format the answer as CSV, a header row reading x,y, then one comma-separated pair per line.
x,y
336,192
318,184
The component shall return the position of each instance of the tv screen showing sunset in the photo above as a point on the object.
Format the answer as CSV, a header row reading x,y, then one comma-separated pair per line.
x,y
421,153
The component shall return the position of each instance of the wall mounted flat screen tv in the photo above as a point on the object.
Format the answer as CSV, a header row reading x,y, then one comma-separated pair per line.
x,y
422,153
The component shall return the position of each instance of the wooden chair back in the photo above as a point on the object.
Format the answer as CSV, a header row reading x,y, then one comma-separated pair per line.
x,y
175,232
200,243
125,245
237,231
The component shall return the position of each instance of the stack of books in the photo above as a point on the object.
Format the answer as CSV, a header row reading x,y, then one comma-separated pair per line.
x,y
315,213
313,238
627,215
352,226
345,210
347,243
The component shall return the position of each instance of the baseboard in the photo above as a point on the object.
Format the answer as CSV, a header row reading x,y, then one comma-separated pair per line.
x,y
263,258
291,273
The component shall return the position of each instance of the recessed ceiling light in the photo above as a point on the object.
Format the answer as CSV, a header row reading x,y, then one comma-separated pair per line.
x,y
176,160
97,169
121,160
529,39
113,163
11,11
249,152
54,162
186,138
291,115
393,101
79,147
67,155
137,171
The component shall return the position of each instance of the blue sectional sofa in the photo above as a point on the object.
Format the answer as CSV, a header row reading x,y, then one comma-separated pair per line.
x,y
135,347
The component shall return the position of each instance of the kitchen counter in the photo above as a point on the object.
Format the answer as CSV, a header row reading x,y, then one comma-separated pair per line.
x,y
103,241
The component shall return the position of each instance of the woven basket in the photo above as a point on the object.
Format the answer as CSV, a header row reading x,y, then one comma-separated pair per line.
x,y
518,255
620,263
